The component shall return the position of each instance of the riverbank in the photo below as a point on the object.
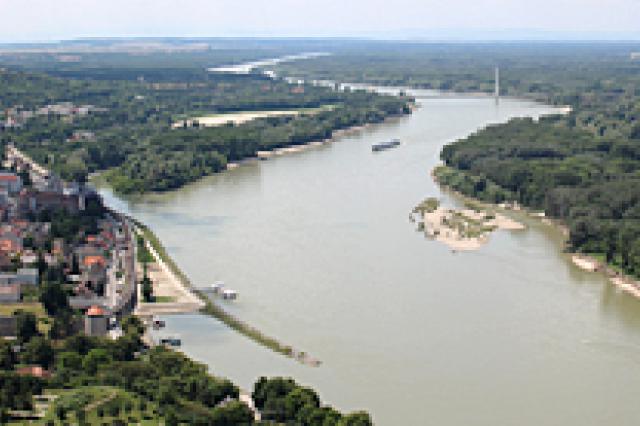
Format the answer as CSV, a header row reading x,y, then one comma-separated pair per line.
x,y
209,307
583,261
336,135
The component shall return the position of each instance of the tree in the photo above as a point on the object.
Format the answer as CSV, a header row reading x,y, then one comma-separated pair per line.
x,y
69,361
132,325
147,286
81,416
27,325
95,359
7,356
359,418
233,413
39,351
54,298
61,412
62,326
170,418
297,399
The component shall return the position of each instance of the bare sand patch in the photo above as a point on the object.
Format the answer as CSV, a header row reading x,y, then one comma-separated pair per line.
x,y
236,118
462,229
585,263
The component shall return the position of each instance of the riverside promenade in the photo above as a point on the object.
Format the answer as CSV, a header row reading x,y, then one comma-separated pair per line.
x,y
173,295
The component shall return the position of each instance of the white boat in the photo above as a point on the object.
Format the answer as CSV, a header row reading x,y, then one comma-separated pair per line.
x,y
217,287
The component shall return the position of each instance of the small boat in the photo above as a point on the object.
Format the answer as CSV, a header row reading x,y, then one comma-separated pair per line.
x,y
385,145
229,294
170,341
158,324
217,287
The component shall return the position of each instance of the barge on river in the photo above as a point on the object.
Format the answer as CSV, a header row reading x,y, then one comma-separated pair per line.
x,y
385,145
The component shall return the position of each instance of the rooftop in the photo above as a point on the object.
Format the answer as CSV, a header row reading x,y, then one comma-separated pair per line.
x,y
95,311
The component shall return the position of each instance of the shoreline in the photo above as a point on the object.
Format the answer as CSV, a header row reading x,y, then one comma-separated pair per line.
x,y
336,135
583,261
210,308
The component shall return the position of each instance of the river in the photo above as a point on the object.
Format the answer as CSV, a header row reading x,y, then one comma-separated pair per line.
x,y
319,246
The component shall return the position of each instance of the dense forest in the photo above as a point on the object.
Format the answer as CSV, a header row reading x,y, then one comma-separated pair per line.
x,y
582,168
133,102
116,382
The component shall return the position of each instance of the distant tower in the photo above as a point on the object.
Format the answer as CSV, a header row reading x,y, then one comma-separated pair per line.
x,y
497,90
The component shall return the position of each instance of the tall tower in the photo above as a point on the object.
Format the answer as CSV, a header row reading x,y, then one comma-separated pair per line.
x,y
497,89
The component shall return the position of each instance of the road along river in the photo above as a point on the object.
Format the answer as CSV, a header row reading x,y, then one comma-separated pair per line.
x,y
319,246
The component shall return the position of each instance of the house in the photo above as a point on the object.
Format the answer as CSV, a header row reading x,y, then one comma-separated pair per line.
x,y
5,261
24,276
27,276
85,302
37,201
10,243
8,326
96,321
10,182
7,278
10,293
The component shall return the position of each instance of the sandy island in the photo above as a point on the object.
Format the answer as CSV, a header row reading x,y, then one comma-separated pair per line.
x,y
462,229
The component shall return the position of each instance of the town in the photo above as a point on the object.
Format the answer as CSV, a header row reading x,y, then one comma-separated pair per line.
x,y
62,249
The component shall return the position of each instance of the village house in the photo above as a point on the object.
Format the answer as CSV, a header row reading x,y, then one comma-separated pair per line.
x,y
10,244
10,293
30,201
10,182
27,276
23,277
96,321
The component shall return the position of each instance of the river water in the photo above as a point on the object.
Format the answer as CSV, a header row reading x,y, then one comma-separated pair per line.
x,y
319,246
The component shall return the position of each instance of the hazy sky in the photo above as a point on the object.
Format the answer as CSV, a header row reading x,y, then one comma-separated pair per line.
x,y
24,20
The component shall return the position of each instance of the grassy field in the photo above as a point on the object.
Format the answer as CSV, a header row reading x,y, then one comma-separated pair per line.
x,y
44,322
98,405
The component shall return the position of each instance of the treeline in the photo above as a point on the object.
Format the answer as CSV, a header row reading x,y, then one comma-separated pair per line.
x,y
133,134
171,159
168,386
591,183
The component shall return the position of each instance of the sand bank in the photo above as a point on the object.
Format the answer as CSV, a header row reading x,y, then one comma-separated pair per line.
x,y
461,229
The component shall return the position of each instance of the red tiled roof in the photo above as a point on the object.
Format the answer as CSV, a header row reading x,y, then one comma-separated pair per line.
x,y
95,311
92,260
9,178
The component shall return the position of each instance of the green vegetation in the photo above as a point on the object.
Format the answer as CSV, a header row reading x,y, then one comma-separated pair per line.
x,y
429,205
283,401
103,381
129,124
100,405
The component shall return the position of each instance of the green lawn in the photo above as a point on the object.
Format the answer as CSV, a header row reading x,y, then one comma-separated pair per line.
x,y
44,322
99,405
